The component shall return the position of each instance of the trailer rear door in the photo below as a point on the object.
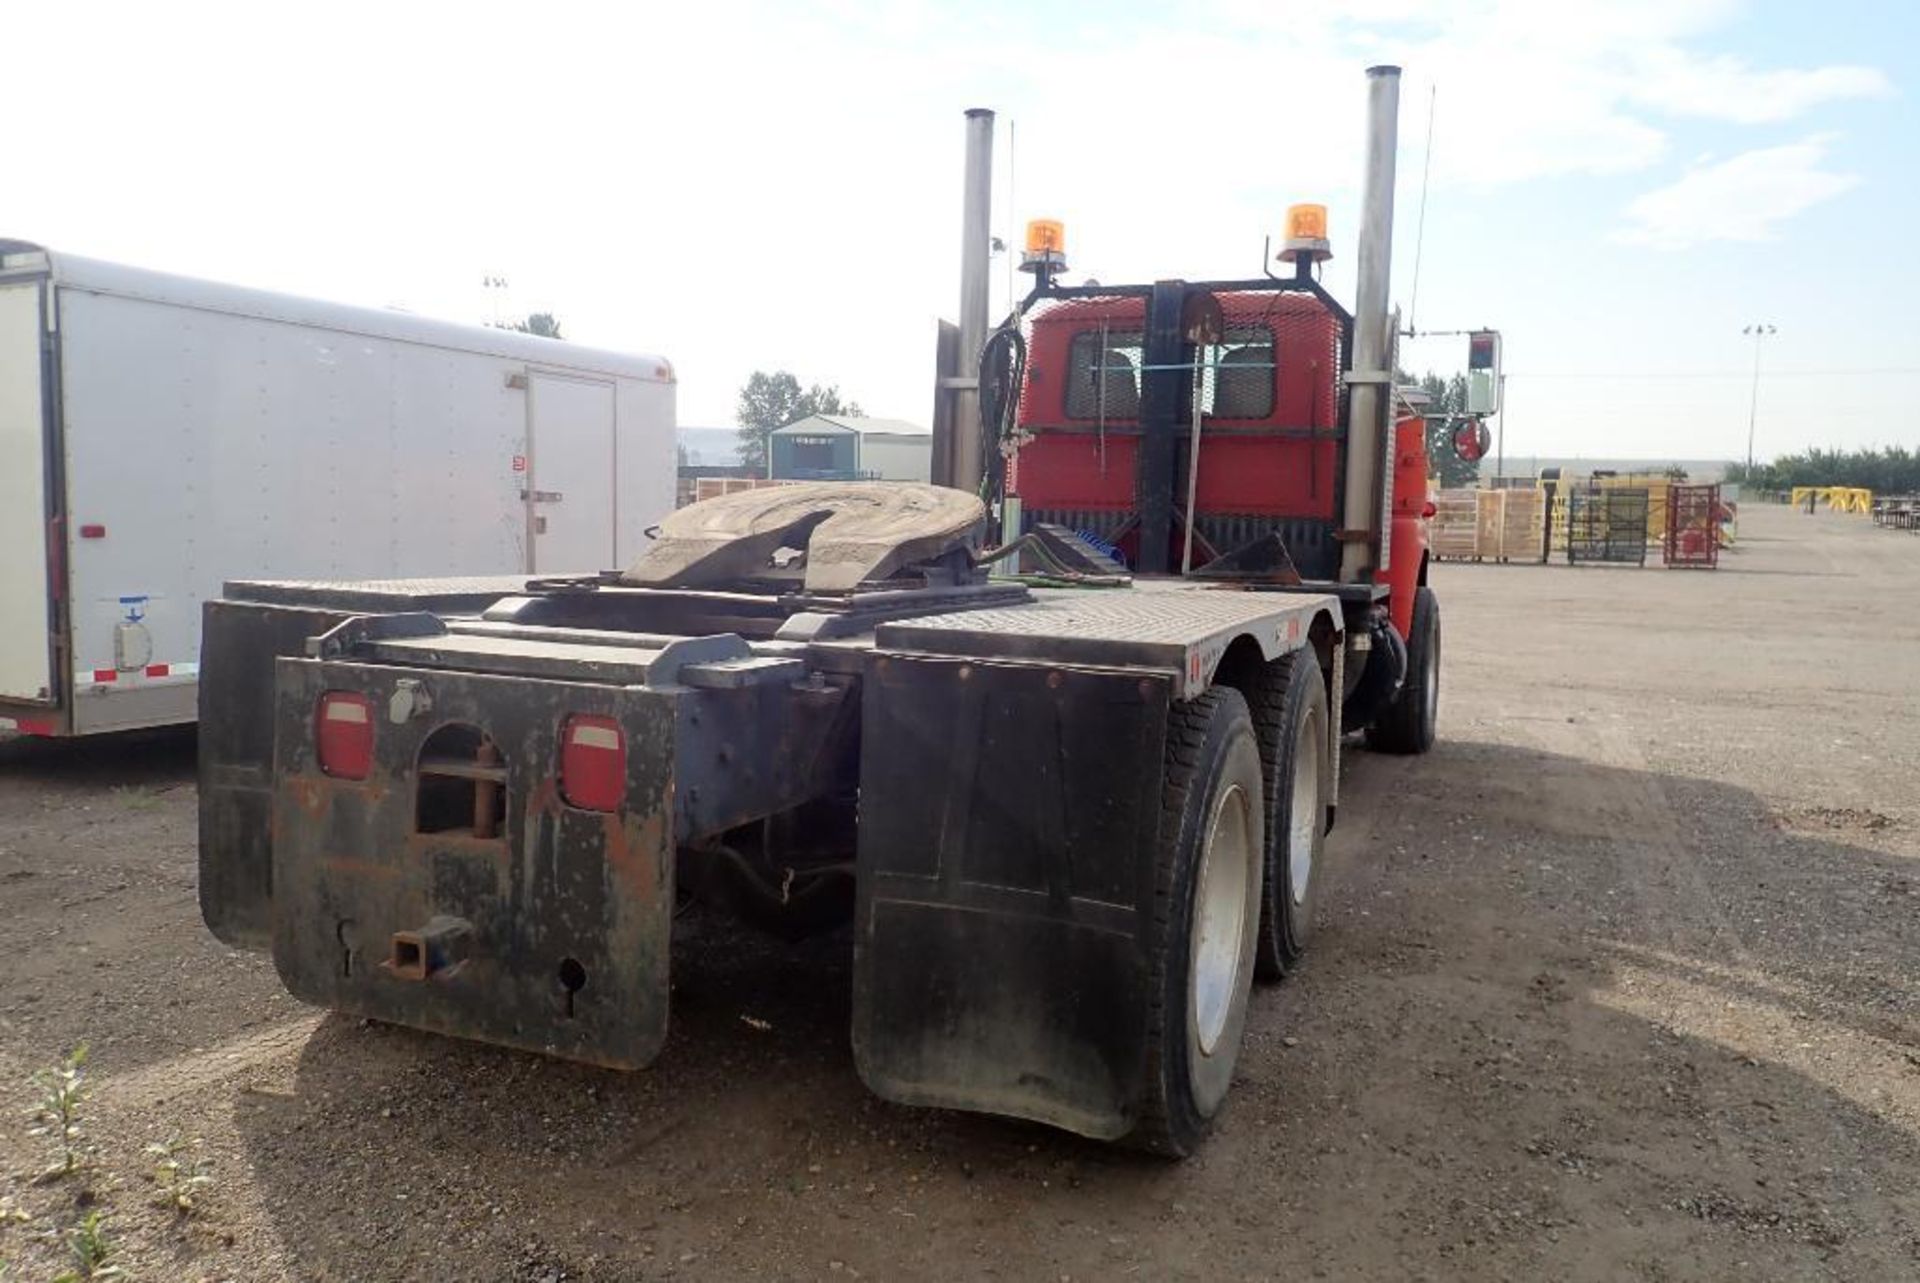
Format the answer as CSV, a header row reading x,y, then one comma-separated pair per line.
x,y
26,664
573,474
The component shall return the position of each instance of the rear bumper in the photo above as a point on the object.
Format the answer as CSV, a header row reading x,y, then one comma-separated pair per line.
x,y
33,719
550,934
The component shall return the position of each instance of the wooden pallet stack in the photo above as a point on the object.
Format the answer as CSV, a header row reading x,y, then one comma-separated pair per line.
x,y
714,487
1453,534
1487,525
1522,520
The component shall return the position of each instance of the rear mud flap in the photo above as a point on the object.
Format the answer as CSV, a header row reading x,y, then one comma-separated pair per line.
x,y
1007,829
548,934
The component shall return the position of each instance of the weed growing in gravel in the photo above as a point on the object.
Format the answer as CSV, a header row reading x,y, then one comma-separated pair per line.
x,y
90,1249
57,1115
135,798
178,1173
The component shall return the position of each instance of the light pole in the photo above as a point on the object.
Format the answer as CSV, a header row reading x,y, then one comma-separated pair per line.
x,y
1759,331
496,287
1500,453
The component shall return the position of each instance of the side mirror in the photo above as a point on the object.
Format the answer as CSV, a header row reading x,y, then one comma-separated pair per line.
x,y
1485,382
1471,440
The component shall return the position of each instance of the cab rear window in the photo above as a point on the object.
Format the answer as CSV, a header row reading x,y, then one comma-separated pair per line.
x,y
1238,376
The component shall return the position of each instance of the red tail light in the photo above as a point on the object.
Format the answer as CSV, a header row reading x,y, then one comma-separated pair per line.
x,y
593,763
343,734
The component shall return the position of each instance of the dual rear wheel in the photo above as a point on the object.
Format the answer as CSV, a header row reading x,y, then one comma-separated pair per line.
x,y
1241,824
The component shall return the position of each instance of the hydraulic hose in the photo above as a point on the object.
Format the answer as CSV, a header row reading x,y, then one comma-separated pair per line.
x,y
1003,369
1380,679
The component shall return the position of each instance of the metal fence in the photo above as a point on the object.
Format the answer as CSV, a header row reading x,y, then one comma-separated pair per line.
x,y
1692,535
1897,512
1607,524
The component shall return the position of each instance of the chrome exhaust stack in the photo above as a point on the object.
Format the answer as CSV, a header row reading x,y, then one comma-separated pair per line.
x,y
1370,400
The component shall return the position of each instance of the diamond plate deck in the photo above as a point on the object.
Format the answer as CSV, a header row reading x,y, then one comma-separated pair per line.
x,y
1173,628
449,594
620,665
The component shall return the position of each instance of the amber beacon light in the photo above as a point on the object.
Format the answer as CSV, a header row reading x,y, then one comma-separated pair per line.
x,y
1306,234
1046,246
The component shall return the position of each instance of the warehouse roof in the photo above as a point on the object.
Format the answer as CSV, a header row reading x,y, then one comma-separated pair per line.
x,y
863,426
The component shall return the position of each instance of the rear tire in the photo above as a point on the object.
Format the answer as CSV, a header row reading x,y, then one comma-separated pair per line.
x,y
1295,756
1409,724
1206,917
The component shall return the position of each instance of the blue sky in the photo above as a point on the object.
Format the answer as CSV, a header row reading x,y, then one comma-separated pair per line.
x,y
1618,185
1798,221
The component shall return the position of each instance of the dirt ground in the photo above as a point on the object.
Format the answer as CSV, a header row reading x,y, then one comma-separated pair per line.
x,y
1621,981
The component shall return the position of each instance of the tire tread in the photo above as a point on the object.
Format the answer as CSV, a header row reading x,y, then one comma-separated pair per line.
x,y
1160,1129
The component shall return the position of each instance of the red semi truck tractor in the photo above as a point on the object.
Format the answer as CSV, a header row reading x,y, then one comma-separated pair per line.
x,y
1062,746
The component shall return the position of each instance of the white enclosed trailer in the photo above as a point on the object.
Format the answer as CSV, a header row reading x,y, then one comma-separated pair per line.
x,y
161,435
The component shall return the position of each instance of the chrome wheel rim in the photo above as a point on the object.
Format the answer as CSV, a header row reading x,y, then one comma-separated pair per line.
x,y
1228,871
1303,815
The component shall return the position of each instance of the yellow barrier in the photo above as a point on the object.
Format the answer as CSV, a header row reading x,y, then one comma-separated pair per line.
x,y
1854,499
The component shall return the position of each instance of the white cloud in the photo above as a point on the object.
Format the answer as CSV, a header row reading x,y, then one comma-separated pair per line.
x,y
1725,88
751,184
1531,90
1743,198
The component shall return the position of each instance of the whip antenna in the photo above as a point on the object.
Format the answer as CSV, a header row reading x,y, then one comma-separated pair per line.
x,y
1420,226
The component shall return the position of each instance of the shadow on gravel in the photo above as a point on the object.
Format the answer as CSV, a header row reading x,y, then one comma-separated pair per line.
x,y
162,756
1461,1084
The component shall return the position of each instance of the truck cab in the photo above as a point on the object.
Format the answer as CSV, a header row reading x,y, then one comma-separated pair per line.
x,y
1202,429
1266,385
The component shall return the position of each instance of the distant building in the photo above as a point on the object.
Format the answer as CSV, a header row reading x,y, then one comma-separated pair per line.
x,y
709,447
839,447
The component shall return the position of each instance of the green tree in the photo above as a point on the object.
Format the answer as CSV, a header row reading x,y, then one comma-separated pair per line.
x,y
1448,399
543,324
770,401
1887,470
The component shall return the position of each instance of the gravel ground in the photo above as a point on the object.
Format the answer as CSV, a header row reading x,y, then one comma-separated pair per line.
x,y
1621,981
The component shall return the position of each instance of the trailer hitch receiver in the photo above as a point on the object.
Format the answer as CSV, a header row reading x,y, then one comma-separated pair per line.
x,y
438,947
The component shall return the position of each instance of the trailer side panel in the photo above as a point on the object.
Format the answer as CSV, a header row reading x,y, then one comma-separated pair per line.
x,y
205,445
26,665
